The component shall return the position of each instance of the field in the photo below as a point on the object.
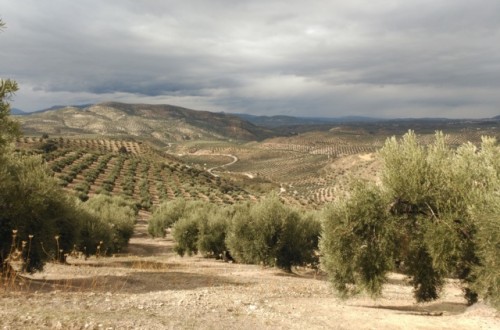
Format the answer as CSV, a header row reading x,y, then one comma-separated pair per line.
x,y
130,169
308,169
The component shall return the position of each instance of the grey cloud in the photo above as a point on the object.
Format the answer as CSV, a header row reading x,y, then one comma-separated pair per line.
x,y
331,58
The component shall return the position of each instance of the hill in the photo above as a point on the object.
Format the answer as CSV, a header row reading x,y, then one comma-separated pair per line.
x,y
18,112
162,123
284,121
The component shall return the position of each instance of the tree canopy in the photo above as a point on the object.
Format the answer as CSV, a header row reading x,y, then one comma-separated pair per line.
x,y
435,213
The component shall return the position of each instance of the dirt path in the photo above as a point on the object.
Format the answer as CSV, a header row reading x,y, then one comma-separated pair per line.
x,y
153,288
235,159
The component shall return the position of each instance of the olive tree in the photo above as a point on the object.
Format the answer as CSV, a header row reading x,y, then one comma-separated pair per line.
x,y
273,234
429,213
110,226
9,129
165,215
36,211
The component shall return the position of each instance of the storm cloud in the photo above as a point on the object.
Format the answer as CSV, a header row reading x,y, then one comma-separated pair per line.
x,y
305,58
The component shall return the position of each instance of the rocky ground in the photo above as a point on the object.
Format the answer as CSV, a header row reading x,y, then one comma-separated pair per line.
x,y
152,288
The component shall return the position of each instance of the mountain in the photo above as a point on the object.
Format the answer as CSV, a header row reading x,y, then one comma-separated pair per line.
x,y
56,107
163,123
284,121
17,112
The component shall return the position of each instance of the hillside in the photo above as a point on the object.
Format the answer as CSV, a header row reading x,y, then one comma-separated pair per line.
x,y
160,123
130,169
167,124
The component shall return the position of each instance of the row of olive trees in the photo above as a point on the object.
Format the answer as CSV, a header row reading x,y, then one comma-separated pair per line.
x,y
267,232
436,213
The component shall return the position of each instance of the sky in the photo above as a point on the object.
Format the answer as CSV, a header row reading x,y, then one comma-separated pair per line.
x,y
378,58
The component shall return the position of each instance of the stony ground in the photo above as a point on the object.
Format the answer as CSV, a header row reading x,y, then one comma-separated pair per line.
x,y
152,288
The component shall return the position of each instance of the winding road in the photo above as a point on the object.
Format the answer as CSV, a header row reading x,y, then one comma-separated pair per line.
x,y
235,159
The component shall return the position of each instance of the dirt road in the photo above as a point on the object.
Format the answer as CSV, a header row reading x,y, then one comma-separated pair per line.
x,y
235,159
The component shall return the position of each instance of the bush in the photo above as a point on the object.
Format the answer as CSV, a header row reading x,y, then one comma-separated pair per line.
x,y
213,231
486,280
272,234
202,228
32,203
185,232
112,223
165,215
38,221
95,235
240,236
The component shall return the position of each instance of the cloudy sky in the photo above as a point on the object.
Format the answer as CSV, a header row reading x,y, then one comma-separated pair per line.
x,y
384,58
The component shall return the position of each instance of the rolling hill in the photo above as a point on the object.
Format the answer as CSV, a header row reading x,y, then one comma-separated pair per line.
x,y
163,123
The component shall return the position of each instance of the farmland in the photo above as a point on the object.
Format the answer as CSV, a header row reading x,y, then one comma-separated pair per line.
x,y
147,281
308,169
113,167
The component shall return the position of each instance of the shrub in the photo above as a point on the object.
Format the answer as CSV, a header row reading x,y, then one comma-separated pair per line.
x,y
240,238
32,203
165,215
82,196
185,232
272,234
213,231
33,208
95,234
113,223
202,228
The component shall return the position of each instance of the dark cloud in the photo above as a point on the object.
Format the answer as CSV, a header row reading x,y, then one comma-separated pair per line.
x,y
384,58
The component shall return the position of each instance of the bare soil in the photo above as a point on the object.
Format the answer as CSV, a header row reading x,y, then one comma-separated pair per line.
x,y
153,288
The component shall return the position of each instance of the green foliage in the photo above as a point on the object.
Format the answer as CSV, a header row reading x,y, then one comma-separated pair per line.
x,y
357,244
95,235
9,129
112,222
48,146
38,220
272,234
33,209
213,231
32,203
240,236
165,215
268,232
202,227
186,231
298,241
486,280
429,214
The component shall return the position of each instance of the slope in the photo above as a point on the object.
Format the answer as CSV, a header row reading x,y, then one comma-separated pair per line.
x,y
163,123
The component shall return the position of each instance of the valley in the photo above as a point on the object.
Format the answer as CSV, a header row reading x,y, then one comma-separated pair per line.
x,y
151,155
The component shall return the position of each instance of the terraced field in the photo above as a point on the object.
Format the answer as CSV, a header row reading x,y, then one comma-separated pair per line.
x,y
130,169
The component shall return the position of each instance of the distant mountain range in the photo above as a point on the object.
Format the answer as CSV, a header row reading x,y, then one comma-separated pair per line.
x,y
167,123
280,121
